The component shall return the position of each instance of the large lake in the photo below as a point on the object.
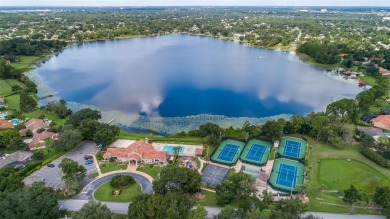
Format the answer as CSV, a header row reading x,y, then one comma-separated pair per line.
x,y
182,75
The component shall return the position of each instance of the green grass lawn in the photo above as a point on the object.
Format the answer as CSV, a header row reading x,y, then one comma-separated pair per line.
x,y
340,174
209,200
109,167
167,139
5,88
151,171
104,193
337,176
48,114
24,62
13,102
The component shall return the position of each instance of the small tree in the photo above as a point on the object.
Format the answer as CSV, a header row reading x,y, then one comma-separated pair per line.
x,y
93,210
121,181
198,213
352,195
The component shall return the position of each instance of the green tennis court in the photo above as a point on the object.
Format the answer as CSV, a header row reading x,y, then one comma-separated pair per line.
x,y
291,147
286,175
256,152
228,152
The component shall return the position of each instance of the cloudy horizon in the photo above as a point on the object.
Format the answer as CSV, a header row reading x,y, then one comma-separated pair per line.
x,y
194,3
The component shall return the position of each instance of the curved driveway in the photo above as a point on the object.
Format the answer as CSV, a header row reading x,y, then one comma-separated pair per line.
x,y
87,193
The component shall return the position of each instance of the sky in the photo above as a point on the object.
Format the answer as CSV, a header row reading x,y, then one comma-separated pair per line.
x,y
194,2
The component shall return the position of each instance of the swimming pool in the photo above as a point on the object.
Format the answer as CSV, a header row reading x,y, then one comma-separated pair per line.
x,y
15,121
170,148
3,115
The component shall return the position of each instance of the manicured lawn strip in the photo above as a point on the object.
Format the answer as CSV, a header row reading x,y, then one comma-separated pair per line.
x,y
109,167
104,193
159,138
151,171
318,151
210,199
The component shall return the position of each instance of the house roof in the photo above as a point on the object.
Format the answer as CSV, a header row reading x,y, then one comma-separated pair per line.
x,y
34,124
371,131
4,124
199,151
137,150
383,119
367,117
40,137
383,71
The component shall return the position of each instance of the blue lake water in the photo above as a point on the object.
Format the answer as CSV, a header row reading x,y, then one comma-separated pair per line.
x,y
182,75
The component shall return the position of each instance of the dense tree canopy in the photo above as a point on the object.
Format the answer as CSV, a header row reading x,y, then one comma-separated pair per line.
x,y
37,201
93,210
177,179
156,206
237,185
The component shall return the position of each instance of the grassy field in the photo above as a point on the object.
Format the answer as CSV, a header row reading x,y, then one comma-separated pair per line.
x,y
340,174
25,62
166,139
151,171
336,175
13,101
104,193
48,114
109,167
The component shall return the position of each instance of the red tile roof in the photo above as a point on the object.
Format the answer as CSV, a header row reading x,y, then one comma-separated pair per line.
x,y
39,138
4,124
35,124
383,71
138,150
384,120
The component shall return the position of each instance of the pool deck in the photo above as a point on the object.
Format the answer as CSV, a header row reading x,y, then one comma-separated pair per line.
x,y
189,150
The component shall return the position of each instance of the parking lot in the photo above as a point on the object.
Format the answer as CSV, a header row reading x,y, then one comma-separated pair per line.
x,y
52,176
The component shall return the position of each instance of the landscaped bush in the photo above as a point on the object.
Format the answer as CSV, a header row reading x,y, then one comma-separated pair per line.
x,y
374,156
121,181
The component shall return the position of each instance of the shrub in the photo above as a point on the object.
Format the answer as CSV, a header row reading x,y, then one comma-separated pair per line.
x,y
374,156
121,181
46,161
40,130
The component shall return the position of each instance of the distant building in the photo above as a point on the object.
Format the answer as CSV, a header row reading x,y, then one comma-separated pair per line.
x,y
4,124
375,133
139,151
324,10
2,100
382,121
38,141
384,71
33,125
307,37
8,62
55,37
367,117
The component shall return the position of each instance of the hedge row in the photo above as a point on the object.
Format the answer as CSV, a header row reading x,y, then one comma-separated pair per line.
x,y
374,156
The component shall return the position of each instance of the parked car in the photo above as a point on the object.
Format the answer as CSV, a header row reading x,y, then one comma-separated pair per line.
x,y
87,157
89,161
50,165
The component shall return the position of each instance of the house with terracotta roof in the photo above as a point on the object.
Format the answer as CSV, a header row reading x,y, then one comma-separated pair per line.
x,y
384,71
382,121
139,151
33,125
5,124
38,140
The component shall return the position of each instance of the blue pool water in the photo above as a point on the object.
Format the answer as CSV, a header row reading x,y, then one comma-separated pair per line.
x,y
3,115
15,121
169,149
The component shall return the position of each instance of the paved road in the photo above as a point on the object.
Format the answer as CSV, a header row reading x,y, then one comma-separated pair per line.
x,y
52,176
87,193
121,208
